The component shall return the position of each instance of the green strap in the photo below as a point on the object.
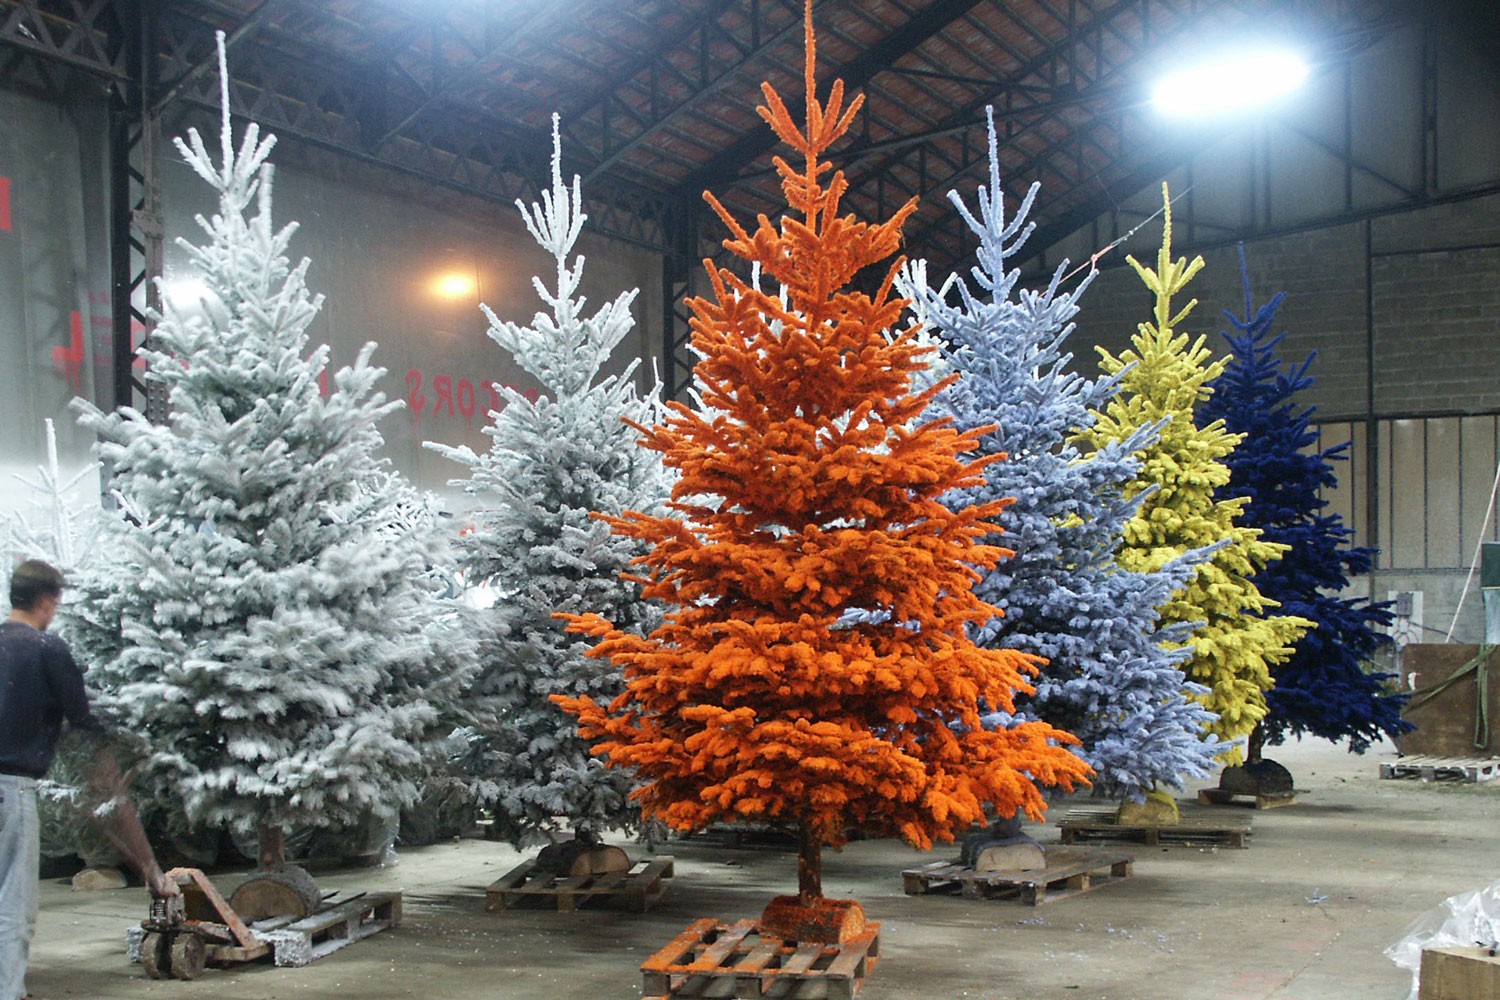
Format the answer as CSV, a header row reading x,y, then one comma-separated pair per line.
x,y
1479,667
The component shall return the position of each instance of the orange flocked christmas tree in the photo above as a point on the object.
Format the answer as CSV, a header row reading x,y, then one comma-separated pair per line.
x,y
809,489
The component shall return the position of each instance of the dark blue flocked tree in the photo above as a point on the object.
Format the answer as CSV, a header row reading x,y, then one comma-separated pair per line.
x,y
1108,679
1327,688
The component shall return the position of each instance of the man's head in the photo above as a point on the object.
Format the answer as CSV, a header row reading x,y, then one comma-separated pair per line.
x,y
35,589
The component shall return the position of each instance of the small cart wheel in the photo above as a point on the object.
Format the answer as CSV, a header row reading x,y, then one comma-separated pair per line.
x,y
155,954
189,957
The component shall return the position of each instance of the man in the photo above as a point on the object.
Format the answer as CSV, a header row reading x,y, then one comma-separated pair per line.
x,y
40,687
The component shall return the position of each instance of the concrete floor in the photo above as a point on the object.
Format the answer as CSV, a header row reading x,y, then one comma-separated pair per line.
x,y
1191,923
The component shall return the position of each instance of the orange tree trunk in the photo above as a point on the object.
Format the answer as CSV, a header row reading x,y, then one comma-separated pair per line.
x,y
809,866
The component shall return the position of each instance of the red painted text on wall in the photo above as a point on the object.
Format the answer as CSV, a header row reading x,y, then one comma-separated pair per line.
x,y
443,393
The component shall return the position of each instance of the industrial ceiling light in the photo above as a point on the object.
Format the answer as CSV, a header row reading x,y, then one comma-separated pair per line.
x,y
452,285
1229,83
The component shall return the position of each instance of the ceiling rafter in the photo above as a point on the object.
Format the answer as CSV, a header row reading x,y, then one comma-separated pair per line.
x,y
319,104
658,96
1120,172
446,83
248,26
79,37
753,145
766,32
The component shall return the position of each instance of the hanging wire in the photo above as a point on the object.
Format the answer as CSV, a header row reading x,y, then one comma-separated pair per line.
x,y
1092,264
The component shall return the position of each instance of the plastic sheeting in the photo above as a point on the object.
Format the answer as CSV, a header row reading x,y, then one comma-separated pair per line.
x,y
1462,921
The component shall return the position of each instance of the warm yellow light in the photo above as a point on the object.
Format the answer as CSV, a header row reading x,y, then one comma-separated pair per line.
x,y
454,285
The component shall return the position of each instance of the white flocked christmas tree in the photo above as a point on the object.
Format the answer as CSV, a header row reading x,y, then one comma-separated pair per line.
x,y
553,461
61,518
1108,680
262,619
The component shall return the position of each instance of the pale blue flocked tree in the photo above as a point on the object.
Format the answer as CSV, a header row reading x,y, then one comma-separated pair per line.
x,y
258,621
1109,679
553,461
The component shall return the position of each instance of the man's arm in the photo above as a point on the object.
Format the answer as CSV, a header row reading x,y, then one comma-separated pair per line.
x,y
111,808
104,792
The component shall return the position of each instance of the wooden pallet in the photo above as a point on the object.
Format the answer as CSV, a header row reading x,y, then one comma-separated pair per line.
x,y
711,959
1092,823
1068,873
636,888
1225,797
297,943
1439,768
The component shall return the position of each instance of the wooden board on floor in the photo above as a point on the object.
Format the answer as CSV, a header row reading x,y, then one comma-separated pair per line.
x,y
727,961
1069,872
1224,797
1429,768
636,888
1198,828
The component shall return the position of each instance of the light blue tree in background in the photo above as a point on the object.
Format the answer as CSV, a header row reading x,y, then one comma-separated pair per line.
x,y
1109,679
553,461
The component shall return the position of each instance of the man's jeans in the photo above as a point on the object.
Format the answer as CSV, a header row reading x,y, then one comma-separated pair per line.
x,y
19,862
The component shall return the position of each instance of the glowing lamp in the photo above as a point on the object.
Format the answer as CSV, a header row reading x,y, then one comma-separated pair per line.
x,y
454,285
1229,83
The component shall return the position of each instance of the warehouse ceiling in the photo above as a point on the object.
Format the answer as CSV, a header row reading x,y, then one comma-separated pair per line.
x,y
657,97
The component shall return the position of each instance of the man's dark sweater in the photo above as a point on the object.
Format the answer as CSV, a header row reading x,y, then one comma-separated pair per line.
x,y
40,686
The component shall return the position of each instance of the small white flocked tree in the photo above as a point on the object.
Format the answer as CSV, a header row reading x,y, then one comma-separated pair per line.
x,y
552,462
55,524
260,621
60,523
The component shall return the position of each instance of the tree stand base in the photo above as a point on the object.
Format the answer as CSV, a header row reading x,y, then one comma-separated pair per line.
x,y
826,921
1265,781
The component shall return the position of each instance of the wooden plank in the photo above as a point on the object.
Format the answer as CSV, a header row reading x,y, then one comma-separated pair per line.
x,y
683,944
313,937
1459,974
713,956
801,960
1223,796
737,962
1068,872
758,957
851,959
513,878
637,887
1198,827
654,969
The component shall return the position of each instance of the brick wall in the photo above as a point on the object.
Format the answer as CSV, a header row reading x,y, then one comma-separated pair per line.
x,y
1436,297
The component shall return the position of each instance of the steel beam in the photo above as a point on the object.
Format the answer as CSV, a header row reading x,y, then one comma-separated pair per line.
x,y
86,36
322,104
930,20
136,225
598,133
1060,215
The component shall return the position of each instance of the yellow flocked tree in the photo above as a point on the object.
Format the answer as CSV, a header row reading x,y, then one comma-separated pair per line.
x,y
1240,639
